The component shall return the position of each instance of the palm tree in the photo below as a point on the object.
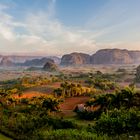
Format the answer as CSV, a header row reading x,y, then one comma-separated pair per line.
x,y
101,101
20,94
69,94
138,74
64,88
12,101
128,94
136,99
79,89
58,92
116,100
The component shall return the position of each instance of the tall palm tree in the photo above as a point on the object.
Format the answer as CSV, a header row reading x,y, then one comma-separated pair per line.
x,y
58,92
138,74
128,94
64,88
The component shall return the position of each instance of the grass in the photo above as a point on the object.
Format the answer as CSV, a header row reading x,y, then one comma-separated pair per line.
x,y
82,135
80,122
2,137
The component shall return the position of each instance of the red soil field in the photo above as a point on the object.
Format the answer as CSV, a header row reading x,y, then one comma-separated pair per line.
x,y
37,91
29,95
70,103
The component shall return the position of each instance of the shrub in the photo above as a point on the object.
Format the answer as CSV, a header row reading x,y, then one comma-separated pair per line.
x,y
71,134
61,124
118,122
89,115
138,74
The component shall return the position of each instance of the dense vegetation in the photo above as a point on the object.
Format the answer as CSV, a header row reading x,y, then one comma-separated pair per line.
x,y
138,74
112,112
71,89
116,113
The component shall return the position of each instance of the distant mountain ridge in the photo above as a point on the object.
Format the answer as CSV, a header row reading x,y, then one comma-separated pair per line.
x,y
22,59
36,62
75,59
111,56
5,61
104,56
19,59
9,61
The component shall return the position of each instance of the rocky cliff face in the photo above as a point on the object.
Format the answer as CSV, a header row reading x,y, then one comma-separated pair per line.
x,y
104,56
111,56
6,62
75,59
135,55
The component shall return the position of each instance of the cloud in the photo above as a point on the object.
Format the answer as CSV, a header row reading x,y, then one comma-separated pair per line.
x,y
44,34
6,30
60,37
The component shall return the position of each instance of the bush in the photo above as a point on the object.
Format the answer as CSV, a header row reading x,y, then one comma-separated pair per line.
x,y
89,115
61,124
118,122
78,135
138,74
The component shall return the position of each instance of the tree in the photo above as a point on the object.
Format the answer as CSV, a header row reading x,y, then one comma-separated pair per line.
x,y
138,74
58,92
50,104
64,88
128,94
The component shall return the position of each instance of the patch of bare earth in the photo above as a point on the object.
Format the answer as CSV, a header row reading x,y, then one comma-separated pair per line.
x,y
69,105
29,95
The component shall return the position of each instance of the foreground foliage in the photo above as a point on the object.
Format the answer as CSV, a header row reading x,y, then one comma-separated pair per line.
x,y
119,122
116,115
80,135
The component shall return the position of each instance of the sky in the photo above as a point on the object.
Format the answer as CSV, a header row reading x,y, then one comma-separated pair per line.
x,y
56,27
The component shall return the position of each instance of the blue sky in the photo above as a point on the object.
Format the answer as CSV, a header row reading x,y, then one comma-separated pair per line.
x,y
56,27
